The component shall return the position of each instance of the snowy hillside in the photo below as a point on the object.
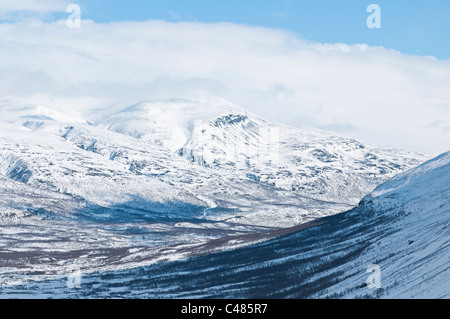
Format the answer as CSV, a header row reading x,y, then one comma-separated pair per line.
x,y
182,177
210,151
402,227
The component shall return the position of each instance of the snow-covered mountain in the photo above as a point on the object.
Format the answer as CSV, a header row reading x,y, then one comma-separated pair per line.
x,y
402,229
97,186
210,151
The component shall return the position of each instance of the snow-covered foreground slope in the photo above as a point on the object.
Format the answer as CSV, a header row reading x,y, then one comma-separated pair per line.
x,y
403,227
105,188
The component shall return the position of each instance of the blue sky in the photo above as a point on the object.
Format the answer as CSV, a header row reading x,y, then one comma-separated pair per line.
x,y
420,27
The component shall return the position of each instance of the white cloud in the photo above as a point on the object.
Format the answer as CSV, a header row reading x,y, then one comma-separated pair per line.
x,y
372,93
41,6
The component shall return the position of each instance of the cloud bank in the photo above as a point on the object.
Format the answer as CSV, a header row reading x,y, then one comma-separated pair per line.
x,y
40,6
377,95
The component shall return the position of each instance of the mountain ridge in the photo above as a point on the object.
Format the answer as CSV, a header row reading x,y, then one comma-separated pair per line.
x,y
159,174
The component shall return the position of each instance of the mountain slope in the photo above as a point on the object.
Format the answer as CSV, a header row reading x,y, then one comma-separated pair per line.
x,y
209,151
403,227
166,180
